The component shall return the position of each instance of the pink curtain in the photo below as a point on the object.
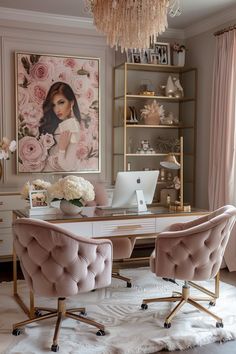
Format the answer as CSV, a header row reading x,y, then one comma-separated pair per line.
x,y
222,159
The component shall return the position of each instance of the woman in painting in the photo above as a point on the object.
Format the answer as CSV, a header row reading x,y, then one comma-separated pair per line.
x,y
61,119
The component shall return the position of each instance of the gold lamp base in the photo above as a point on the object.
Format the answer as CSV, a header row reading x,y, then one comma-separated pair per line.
x,y
177,206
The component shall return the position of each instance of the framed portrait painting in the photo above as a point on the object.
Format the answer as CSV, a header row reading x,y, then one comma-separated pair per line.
x,y
57,113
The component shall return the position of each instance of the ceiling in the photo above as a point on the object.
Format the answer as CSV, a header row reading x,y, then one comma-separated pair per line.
x,y
193,11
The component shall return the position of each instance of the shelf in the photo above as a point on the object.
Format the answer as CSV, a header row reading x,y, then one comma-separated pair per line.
x,y
154,67
129,136
156,154
160,126
161,98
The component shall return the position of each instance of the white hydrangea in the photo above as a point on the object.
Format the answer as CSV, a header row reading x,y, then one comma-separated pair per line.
x,y
71,188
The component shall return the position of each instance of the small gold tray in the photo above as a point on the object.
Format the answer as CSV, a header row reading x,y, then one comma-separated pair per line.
x,y
147,93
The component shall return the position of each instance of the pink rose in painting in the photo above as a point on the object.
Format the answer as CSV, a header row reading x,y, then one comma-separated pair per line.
x,y
32,114
32,153
71,62
78,85
23,98
82,151
27,166
95,79
38,92
47,140
62,73
40,71
21,78
90,94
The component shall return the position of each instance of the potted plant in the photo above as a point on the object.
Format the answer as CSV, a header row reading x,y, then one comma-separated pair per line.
x,y
179,51
73,192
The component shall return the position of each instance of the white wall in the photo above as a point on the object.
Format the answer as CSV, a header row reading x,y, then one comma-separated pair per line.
x,y
60,40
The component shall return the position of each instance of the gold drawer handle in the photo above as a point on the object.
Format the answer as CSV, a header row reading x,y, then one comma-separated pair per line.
x,y
1,220
1,240
1,203
129,227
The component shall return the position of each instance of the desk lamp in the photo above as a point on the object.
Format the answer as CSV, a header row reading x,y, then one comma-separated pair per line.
x,y
171,163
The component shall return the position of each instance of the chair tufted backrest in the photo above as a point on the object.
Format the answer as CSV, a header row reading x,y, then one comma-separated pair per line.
x,y
56,262
194,250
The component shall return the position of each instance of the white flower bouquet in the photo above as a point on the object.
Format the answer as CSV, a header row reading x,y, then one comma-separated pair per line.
x,y
37,184
6,146
74,189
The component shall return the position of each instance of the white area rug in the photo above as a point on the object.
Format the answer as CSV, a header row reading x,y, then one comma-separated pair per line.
x,y
129,329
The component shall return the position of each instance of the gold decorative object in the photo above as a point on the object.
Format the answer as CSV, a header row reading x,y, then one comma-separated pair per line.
x,y
147,93
131,23
152,113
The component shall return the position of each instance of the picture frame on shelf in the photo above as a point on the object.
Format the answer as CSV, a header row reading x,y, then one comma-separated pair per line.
x,y
136,57
161,53
39,199
39,79
129,56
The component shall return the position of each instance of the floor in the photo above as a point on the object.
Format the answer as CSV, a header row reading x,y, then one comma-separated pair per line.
x,y
215,348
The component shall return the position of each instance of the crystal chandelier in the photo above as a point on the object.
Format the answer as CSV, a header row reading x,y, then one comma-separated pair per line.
x,y
132,23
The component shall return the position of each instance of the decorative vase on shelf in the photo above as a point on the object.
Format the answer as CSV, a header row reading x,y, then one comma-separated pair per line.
x,y
179,58
68,208
170,87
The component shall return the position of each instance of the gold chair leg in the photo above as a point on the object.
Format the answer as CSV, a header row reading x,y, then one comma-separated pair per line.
x,y
202,308
85,320
57,329
36,319
163,299
175,310
82,310
117,275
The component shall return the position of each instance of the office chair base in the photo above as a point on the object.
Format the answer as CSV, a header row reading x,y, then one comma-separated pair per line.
x,y
183,298
59,313
117,275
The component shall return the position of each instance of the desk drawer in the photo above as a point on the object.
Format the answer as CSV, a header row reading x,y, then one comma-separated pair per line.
x,y
6,242
164,223
11,202
5,219
123,227
79,228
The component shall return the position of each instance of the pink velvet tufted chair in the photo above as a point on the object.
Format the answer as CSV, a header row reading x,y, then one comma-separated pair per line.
x,y
57,263
122,246
192,251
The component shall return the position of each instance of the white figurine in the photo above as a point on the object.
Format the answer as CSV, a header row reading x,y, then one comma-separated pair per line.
x,y
178,86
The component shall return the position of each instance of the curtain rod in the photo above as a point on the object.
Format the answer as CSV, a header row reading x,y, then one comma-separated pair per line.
x,y
227,29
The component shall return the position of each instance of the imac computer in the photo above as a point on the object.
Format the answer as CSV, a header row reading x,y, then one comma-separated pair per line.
x,y
134,189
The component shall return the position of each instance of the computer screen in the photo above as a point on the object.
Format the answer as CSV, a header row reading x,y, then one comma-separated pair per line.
x,y
128,186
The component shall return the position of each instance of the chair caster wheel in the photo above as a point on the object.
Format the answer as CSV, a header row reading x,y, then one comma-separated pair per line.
x,y
55,348
167,325
100,333
16,332
129,285
219,325
38,313
83,313
212,303
144,306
